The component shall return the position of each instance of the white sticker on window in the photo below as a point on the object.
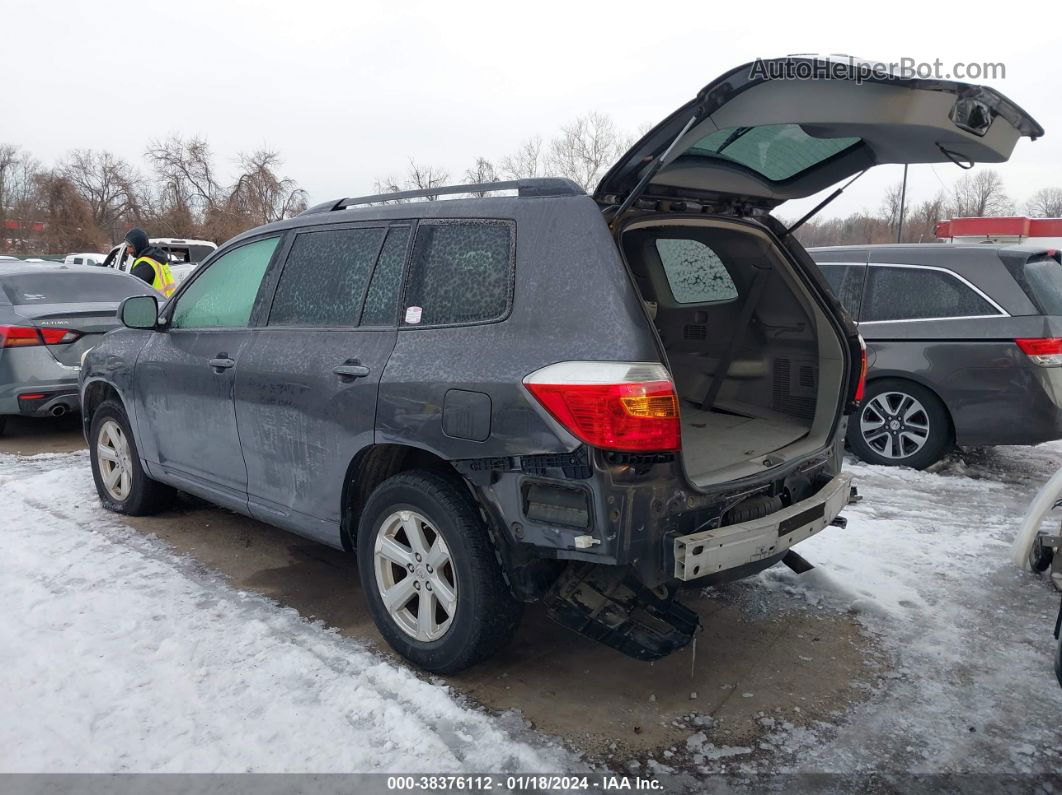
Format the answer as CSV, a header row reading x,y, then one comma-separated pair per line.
x,y
413,314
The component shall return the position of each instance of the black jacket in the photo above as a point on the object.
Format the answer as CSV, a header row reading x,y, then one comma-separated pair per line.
x,y
143,270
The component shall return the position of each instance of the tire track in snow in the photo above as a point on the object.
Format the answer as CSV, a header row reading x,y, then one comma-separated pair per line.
x,y
121,656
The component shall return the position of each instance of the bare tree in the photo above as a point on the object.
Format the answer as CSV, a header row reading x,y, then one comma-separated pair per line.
x,y
525,162
585,149
68,219
20,201
921,226
388,184
112,188
423,177
9,160
261,194
418,177
185,173
890,205
1045,203
981,194
482,172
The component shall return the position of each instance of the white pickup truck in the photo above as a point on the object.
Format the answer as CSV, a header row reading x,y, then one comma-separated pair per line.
x,y
184,255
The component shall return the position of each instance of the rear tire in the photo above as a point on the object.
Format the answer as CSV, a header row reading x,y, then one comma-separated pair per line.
x,y
120,479
3,422
443,617
900,423
1058,661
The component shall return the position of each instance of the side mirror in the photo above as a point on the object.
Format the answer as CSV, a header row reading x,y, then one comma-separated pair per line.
x,y
139,311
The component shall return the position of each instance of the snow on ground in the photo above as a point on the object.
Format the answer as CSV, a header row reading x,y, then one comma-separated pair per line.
x,y
115,655
924,564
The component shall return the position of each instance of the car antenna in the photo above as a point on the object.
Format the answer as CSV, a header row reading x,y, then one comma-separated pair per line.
x,y
821,204
651,172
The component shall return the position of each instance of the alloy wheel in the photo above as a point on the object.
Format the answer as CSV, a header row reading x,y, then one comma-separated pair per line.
x,y
894,425
115,462
415,575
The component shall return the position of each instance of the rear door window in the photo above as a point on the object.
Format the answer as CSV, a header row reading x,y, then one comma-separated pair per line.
x,y
381,302
461,272
223,295
694,272
915,293
325,277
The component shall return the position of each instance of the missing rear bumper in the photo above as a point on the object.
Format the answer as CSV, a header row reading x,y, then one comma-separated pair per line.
x,y
712,551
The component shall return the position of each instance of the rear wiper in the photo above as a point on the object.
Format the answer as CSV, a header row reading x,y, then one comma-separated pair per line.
x,y
651,172
820,205
740,131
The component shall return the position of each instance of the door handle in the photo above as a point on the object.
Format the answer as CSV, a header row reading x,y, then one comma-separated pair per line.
x,y
351,370
222,363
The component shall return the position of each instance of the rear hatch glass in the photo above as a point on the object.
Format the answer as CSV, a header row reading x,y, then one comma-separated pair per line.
x,y
1041,279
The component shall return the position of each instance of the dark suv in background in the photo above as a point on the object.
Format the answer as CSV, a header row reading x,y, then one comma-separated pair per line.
x,y
964,345
587,401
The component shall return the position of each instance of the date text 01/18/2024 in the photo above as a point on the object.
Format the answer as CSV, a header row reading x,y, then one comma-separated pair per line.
x,y
520,783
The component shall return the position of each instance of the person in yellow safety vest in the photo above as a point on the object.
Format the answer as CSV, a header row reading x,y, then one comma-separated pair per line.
x,y
149,263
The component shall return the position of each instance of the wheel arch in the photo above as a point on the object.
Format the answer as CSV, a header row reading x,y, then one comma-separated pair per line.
x,y
371,467
93,395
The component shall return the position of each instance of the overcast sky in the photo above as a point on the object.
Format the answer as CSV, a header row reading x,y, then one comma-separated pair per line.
x,y
350,91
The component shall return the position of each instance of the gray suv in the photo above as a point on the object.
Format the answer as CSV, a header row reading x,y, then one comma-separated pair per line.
x,y
964,346
587,401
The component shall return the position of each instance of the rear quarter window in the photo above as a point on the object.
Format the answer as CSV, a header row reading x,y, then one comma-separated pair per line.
x,y
694,272
460,272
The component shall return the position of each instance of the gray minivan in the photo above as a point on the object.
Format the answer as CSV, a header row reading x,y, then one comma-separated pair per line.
x,y
588,401
964,345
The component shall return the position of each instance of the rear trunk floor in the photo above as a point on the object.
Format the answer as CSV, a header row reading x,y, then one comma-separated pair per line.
x,y
712,440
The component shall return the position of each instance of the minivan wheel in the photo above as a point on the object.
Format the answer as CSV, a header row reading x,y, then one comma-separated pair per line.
x,y
120,480
900,423
430,574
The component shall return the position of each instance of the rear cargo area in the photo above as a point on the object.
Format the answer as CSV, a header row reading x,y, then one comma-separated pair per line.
x,y
757,364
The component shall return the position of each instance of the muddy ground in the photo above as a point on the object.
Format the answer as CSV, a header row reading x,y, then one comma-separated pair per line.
x,y
753,656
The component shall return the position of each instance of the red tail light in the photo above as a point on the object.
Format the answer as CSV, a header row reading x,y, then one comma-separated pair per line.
x,y
1045,352
27,336
861,384
622,406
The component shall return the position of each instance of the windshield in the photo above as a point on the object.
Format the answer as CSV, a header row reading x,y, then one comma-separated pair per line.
x,y
71,288
776,151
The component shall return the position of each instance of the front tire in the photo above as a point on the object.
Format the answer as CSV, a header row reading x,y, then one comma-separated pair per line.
x,y
430,575
900,423
120,479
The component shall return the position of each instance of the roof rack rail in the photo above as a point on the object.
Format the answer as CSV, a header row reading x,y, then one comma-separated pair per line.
x,y
536,187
